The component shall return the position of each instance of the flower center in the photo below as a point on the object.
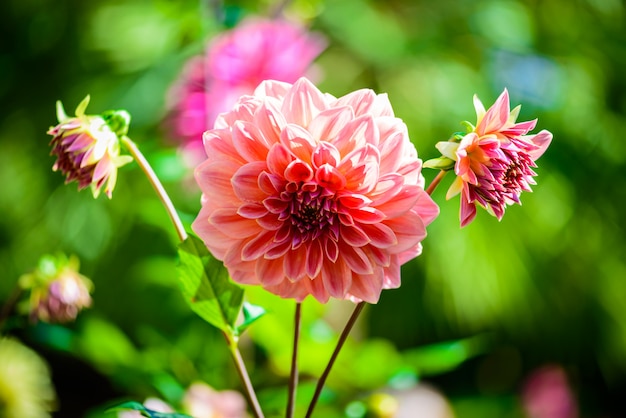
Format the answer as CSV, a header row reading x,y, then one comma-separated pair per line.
x,y
312,210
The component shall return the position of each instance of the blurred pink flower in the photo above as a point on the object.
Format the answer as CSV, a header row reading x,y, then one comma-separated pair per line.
x,y
234,64
304,193
87,150
202,401
58,292
495,161
547,394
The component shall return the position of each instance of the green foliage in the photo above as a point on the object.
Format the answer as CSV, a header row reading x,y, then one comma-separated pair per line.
x,y
135,406
207,287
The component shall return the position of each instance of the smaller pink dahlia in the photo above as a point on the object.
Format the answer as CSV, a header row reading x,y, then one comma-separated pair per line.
x,y
87,149
234,64
306,194
495,161
58,292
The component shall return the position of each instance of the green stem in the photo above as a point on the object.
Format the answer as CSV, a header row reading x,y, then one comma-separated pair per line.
x,y
342,339
158,187
182,235
433,185
244,376
293,378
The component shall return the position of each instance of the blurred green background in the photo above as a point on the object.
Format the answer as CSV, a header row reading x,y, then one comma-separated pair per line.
x,y
478,312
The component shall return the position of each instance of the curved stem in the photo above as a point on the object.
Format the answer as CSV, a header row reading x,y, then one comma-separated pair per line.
x,y
182,235
342,339
158,187
245,377
433,185
293,378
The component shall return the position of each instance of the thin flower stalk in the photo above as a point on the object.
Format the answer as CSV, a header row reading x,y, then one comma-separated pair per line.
x,y
293,378
182,235
351,321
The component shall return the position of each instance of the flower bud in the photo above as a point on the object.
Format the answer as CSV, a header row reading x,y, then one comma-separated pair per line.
x,y
58,291
87,147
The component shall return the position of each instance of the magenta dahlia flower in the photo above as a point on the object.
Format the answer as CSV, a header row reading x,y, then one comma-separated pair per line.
x,y
87,149
495,161
307,194
234,64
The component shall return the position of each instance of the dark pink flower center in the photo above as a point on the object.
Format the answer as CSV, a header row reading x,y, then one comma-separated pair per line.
x,y
307,210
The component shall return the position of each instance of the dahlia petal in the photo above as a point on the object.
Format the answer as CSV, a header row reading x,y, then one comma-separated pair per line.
x,y
213,238
270,121
409,230
496,116
317,288
270,222
257,246
302,103
272,88
218,145
387,187
426,207
278,250
245,182
467,211
337,278
353,235
354,200
367,287
299,141
249,141
278,158
380,235
314,259
367,215
252,210
294,263
360,168
328,123
298,171
227,221
271,183
542,140
331,249
401,202
391,279
356,259
213,177
356,134
329,177
391,153
269,272
325,153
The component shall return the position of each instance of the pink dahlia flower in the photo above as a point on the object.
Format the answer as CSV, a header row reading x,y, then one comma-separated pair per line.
x,y
307,194
495,161
234,64
87,150
58,292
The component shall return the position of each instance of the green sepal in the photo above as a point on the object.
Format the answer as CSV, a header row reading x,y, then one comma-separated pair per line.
x,y
441,163
250,314
206,286
118,121
136,406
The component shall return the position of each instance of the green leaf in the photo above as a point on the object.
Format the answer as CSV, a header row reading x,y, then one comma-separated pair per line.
x,y
136,406
207,287
442,357
250,314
